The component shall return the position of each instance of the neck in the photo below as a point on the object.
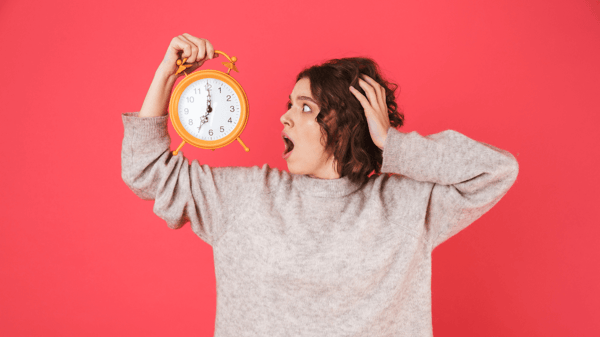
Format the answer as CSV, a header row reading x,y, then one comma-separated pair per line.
x,y
326,171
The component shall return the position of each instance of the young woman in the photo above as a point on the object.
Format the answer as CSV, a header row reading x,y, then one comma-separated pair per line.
x,y
341,245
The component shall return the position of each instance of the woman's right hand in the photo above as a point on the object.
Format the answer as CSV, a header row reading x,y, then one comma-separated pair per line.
x,y
196,50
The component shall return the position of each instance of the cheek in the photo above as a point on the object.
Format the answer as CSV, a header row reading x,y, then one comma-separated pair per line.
x,y
314,134
311,145
315,131
315,145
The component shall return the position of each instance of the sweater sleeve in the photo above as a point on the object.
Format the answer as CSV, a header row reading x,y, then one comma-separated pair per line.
x,y
207,197
468,177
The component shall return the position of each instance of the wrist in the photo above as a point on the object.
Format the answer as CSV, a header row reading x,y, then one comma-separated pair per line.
x,y
157,99
164,74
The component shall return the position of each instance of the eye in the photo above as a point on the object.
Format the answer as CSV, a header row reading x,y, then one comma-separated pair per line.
x,y
305,107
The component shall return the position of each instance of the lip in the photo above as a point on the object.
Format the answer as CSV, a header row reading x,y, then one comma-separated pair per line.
x,y
285,155
285,134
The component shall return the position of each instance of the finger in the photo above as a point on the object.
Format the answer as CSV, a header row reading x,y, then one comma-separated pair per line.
x,y
384,98
369,91
201,44
178,44
361,98
171,54
377,88
210,50
193,67
183,45
194,48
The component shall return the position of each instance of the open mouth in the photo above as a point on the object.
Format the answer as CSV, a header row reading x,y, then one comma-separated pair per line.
x,y
289,145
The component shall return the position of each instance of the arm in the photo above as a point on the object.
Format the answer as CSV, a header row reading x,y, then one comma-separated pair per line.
x,y
157,99
206,197
468,177
195,50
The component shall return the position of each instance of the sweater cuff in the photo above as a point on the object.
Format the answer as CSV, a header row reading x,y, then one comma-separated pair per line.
x,y
392,151
144,128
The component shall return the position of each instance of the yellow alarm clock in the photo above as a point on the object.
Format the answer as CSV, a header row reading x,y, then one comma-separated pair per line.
x,y
209,108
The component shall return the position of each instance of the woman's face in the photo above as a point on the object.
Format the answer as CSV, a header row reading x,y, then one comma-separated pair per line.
x,y
300,125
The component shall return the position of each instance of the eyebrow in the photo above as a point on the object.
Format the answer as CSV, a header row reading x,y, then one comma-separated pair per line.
x,y
306,98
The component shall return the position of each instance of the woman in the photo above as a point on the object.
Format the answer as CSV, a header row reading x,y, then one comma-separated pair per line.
x,y
332,248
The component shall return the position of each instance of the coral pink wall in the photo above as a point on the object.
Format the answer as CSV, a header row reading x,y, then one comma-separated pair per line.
x,y
81,255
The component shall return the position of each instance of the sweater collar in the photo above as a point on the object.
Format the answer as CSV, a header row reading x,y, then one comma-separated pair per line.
x,y
325,187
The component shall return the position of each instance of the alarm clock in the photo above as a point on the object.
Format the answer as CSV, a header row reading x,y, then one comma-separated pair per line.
x,y
209,108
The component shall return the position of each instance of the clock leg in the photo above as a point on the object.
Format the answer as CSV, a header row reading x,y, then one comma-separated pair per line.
x,y
244,146
179,148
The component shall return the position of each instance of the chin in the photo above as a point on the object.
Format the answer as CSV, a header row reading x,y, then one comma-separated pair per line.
x,y
292,170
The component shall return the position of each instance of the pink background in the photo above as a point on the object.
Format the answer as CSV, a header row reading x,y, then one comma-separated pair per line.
x,y
81,255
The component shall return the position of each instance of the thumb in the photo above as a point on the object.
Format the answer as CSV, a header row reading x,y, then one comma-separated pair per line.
x,y
171,56
197,65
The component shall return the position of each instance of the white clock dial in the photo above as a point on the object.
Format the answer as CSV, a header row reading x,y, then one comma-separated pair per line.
x,y
213,101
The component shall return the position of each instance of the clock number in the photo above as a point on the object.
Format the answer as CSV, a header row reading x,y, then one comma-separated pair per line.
x,y
228,98
191,122
186,110
210,132
222,130
230,120
197,93
219,90
232,108
190,99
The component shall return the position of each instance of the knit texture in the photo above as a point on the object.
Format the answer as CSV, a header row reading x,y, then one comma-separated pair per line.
x,y
302,256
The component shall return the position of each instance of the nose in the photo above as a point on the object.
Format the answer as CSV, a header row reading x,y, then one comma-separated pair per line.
x,y
286,120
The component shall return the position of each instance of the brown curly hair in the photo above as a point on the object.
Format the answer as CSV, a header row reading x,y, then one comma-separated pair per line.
x,y
344,127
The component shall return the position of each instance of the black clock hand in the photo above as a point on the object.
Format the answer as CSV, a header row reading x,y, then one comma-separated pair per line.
x,y
208,101
203,119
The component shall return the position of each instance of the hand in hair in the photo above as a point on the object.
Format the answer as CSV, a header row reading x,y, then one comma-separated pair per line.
x,y
375,107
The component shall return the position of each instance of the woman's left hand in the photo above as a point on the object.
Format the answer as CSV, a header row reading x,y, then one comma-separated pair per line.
x,y
375,107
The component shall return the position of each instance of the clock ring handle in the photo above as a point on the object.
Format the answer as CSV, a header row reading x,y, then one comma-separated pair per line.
x,y
231,63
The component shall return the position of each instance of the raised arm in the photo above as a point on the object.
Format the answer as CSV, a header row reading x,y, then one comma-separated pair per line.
x,y
205,196
468,177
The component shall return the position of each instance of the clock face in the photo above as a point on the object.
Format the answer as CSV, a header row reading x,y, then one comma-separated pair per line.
x,y
209,109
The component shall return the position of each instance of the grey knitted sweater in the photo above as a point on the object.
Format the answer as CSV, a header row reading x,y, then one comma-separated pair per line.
x,y
302,256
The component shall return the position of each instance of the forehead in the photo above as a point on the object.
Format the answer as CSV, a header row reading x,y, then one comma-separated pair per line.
x,y
302,88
